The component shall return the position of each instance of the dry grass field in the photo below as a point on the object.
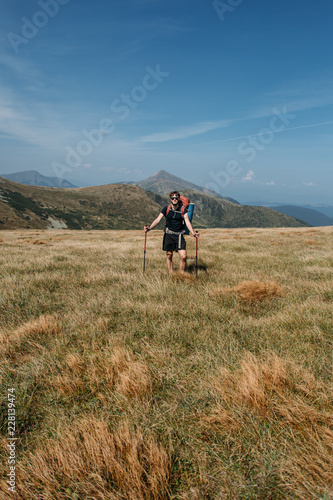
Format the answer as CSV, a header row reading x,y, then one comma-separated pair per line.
x,y
156,387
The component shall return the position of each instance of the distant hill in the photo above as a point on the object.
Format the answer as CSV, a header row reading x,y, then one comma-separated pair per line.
x,y
323,209
310,216
119,206
162,182
34,178
315,215
112,206
211,211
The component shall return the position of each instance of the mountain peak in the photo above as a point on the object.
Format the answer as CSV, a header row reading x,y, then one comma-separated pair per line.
x,y
34,178
163,182
163,174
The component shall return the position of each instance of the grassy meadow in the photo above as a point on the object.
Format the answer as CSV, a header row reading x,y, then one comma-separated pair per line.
x,y
168,387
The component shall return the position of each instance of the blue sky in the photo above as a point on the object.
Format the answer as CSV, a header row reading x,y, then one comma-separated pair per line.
x,y
235,95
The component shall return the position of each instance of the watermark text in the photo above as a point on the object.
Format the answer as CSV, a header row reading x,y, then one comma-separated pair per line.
x,y
249,149
11,440
225,7
30,27
120,107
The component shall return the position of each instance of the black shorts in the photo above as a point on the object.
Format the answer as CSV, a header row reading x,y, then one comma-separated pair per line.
x,y
171,243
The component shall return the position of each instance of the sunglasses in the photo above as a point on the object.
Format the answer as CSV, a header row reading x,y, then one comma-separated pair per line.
x,y
174,197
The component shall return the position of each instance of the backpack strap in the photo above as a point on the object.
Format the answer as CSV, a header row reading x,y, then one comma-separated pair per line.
x,y
168,210
182,209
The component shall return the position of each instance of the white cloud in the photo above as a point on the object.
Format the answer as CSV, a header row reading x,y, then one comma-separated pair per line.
x,y
121,170
22,68
108,169
25,121
249,176
302,95
308,183
186,132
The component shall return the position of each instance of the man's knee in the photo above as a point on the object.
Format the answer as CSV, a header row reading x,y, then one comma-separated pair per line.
x,y
182,256
169,255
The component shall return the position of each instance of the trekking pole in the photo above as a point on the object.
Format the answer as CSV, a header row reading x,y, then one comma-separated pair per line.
x,y
196,257
144,255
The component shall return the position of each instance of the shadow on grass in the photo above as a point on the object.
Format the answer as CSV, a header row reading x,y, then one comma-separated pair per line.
x,y
191,266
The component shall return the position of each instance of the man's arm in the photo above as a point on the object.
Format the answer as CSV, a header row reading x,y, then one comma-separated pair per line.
x,y
154,223
189,226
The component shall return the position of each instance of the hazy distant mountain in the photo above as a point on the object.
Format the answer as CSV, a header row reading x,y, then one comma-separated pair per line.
x,y
119,206
324,209
268,204
310,216
34,178
162,182
316,215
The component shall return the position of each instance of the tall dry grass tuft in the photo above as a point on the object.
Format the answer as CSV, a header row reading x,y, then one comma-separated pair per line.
x,y
183,277
92,462
75,363
32,331
132,378
294,405
252,291
114,368
28,241
311,242
253,384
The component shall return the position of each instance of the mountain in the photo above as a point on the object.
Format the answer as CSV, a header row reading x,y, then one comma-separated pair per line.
x,y
211,211
34,178
112,206
119,206
316,215
162,182
310,216
323,209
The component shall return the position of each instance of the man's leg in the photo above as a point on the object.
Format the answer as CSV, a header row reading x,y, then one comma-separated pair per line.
x,y
169,261
182,263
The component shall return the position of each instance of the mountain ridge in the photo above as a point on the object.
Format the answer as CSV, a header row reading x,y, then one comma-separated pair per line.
x,y
119,206
316,215
163,182
313,217
34,178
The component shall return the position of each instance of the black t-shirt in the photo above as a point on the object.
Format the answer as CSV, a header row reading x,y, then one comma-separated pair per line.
x,y
174,219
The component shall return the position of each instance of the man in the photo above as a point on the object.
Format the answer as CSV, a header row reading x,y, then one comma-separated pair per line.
x,y
173,240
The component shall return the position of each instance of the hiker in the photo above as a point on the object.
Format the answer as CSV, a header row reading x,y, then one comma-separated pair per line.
x,y
176,218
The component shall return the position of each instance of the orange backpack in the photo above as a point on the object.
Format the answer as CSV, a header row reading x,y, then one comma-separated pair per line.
x,y
184,204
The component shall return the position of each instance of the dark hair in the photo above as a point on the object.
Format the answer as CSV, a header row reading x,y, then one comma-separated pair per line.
x,y
174,193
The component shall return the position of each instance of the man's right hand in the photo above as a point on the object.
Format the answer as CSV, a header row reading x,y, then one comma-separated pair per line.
x,y
146,229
